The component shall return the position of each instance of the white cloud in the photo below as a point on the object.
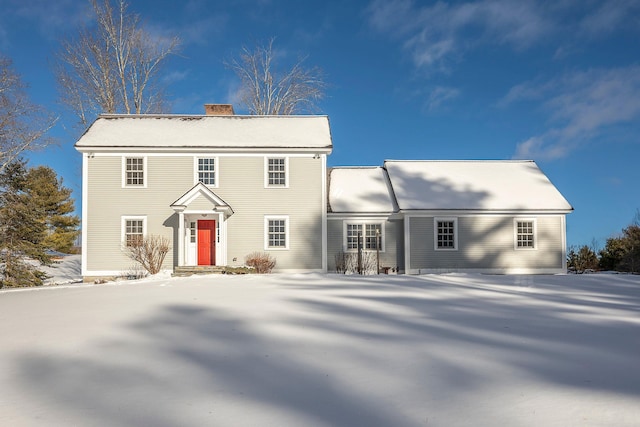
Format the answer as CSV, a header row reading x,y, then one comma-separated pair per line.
x,y
52,17
203,30
610,16
598,98
436,34
388,16
540,148
580,107
439,95
175,76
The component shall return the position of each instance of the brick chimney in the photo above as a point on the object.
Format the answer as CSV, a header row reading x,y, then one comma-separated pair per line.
x,y
218,109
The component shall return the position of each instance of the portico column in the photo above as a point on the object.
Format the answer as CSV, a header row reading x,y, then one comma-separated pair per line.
x,y
181,238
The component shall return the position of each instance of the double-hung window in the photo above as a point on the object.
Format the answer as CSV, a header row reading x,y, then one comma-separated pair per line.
x,y
276,232
446,233
133,230
206,171
134,172
525,230
276,172
370,235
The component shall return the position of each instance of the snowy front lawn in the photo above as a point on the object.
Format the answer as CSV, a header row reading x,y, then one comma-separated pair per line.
x,y
325,350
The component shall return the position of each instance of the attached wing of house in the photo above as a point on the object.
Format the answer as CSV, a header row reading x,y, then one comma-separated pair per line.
x,y
439,216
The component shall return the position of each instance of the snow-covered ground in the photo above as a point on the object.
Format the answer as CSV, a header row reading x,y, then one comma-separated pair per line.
x,y
324,350
65,271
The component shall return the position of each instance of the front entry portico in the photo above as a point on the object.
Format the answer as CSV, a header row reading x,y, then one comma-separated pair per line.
x,y
202,226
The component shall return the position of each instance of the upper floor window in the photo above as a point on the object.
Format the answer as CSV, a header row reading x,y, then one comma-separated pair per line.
x,y
206,170
134,172
370,235
446,233
525,233
276,171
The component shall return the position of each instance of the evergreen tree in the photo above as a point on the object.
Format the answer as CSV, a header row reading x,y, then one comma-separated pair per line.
x,y
23,228
56,203
35,215
584,259
622,253
612,254
631,259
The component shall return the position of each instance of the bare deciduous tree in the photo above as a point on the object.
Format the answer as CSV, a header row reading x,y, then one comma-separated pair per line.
x,y
23,125
113,67
267,90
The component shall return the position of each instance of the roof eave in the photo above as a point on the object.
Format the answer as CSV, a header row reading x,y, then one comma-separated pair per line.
x,y
199,149
562,211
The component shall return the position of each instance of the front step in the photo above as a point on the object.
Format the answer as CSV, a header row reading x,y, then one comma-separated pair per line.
x,y
188,270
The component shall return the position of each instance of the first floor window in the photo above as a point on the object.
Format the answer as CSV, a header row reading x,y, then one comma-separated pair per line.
x,y
445,231
133,231
369,234
372,236
525,234
276,172
354,231
207,171
276,232
134,171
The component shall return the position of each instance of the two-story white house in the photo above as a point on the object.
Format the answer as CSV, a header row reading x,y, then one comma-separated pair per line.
x,y
220,186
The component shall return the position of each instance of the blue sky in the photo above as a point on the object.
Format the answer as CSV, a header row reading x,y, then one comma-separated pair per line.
x,y
557,82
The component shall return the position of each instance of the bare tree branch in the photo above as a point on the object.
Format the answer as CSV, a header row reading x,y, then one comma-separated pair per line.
x,y
265,90
23,125
112,68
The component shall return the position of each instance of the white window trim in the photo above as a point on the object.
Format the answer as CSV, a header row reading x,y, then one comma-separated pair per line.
x,y
123,227
515,234
345,223
145,175
286,172
268,218
455,233
216,165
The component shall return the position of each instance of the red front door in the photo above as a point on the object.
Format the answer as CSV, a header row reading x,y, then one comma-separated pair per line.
x,y
206,242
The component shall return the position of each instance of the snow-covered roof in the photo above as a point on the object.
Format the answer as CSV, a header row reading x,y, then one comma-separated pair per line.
x,y
360,190
232,132
473,185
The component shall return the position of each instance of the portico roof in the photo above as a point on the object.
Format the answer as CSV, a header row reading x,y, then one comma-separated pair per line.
x,y
196,195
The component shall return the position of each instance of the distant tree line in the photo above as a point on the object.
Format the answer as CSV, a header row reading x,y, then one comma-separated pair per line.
x,y
620,253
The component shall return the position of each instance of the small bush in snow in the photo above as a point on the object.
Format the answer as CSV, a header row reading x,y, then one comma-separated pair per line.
x,y
347,262
263,263
149,251
135,271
